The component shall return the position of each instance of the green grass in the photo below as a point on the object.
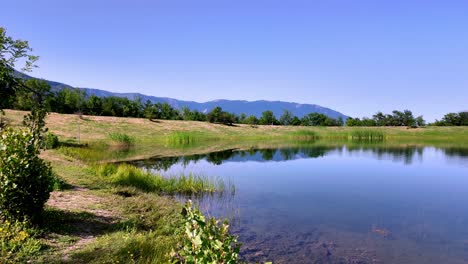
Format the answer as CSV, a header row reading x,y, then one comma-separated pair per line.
x,y
129,247
182,138
304,135
18,242
128,175
122,139
366,134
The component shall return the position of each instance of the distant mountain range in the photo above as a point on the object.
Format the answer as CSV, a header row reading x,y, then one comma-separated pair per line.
x,y
234,106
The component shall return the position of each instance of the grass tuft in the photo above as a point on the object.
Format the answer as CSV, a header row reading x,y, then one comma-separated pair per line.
x,y
181,138
122,139
128,175
367,134
305,135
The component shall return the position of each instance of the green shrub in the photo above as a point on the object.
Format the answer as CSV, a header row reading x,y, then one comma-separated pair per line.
x,y
205,241
51,141
59,184
25,179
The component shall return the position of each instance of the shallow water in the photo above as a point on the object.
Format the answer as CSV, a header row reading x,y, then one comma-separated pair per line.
x,y
366,204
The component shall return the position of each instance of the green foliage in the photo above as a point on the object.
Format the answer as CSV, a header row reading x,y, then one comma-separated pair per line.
x,y
397,118
127,175
205,241
25,179
11,52
453,119
317,119
251,120
217,115
286,118
268,118
192,115
17,242
122,139
51,141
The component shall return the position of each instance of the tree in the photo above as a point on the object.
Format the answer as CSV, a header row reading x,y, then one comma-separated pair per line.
x,y
314,119
286,119
408,118
94,105
251,120
353,122
268,118
420,122
215,115
380,119
11,52
295,121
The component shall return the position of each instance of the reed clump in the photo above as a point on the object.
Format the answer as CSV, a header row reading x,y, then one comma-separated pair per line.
x,y
128,175
182,138
122,139
366,134
304,135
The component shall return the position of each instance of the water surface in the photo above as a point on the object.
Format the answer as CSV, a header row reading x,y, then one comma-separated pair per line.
x,y
319,204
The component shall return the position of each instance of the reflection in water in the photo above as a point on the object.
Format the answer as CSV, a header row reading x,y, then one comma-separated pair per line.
x,y
371,203
407,155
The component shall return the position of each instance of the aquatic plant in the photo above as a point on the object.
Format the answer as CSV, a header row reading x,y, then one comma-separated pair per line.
x,y
366,134
304,135
128,175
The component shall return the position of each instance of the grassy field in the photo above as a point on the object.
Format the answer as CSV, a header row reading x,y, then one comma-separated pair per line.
x,y
120,214
167,137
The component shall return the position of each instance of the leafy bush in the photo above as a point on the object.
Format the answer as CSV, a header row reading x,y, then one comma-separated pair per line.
x,y
205,241
51,141
17,242
25,179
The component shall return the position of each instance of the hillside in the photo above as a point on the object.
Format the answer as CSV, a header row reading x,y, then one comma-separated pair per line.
x,y
234,106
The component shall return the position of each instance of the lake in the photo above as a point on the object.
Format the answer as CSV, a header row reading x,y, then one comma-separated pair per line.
x,y
338,204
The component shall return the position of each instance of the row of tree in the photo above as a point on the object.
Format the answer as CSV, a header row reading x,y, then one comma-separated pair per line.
x,y
71,101
453,119
396,118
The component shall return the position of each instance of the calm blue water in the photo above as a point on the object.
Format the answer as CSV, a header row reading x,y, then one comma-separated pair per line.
x,y
339,205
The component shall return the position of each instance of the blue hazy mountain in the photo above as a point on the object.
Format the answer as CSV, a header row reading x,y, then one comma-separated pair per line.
x,y
234,106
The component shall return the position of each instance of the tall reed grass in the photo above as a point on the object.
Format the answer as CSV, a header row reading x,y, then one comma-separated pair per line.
x,y
367,135
181,138
304,135
128,175
122,139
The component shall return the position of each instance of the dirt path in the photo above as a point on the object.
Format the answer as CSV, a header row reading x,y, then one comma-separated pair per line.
x,y
86,217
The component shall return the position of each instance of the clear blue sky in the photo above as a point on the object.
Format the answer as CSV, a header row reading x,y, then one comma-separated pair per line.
x,y
354,56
